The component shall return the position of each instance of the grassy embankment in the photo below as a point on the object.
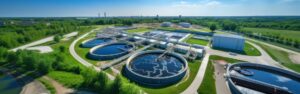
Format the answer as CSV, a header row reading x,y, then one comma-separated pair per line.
x,y
138,30
67,78
83,52
281,57
248,50
208,85
48,85
294,35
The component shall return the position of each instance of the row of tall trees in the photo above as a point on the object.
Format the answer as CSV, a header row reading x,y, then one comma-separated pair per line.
x,y
273,38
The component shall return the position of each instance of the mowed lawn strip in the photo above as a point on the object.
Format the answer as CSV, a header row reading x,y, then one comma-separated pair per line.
x,y
197,41
280,56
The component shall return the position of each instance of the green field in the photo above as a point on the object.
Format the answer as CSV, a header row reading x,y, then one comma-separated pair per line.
x,y
82,52
283,33
67,79
138,30
281,57
197,41
173,89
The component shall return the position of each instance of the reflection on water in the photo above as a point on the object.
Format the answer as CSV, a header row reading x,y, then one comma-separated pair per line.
x,y
276,79
8,85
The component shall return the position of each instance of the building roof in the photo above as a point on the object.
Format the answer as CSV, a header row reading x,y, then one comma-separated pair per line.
x,y
228,36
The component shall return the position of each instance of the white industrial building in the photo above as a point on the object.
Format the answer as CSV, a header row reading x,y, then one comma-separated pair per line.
x,y
166,24
185,24
228,41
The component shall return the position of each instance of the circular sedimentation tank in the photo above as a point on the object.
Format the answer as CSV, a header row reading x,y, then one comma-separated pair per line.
x,y
94,42
110,51
250,78
155,68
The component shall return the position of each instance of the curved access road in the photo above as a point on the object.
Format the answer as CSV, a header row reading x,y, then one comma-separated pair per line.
x,y
81,60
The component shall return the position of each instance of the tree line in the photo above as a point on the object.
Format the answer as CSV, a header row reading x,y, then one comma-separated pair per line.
x,y
45,63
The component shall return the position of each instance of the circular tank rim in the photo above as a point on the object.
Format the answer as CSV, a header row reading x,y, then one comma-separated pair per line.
x,y
107,44
83,42
184,61
248,64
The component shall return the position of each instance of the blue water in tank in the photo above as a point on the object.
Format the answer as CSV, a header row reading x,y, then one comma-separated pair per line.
x,y
8,85
147,65
275,79
95,42
113,49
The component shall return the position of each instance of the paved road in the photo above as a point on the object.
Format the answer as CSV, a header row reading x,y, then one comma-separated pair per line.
x,y
41,41
81,60
221,86
192,89
274,46
263,59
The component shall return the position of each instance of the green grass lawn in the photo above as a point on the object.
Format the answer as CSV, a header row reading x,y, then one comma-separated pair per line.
x,y
67,79
138,30
82,52
208,85
173,89
204,29
250,50
281,57
197,41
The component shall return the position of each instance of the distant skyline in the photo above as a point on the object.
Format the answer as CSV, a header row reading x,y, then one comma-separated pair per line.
x,y
91,8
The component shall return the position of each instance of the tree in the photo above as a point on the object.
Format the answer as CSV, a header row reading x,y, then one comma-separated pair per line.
x,y
102,82
3,54
117,84
57,38
129,89
62,48
296,44
213,27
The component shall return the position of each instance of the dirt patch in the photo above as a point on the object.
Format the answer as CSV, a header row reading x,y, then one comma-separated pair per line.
x,y
295,58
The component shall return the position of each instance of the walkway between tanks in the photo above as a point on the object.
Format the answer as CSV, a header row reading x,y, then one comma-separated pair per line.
x,y
263,59
124,57
192,89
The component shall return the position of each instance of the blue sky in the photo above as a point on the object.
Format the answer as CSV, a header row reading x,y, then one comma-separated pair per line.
x,y
65,8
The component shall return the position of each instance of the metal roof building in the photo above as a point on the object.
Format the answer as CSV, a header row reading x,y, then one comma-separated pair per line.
x,y
166,24
228,41
185,24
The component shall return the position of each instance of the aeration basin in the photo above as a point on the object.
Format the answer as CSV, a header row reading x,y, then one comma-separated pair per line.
x,y
110,51
94,42
249,78
155,68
